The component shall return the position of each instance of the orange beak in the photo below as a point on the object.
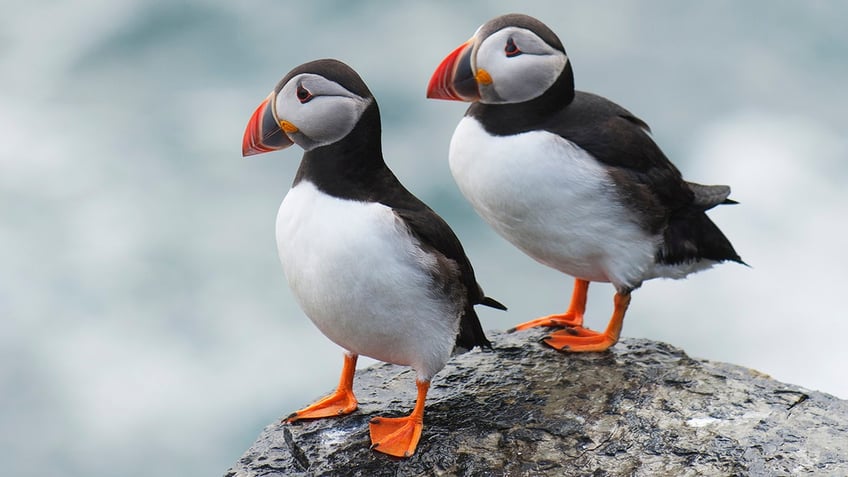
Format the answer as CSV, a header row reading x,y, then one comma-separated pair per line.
x,y
454,79
263,132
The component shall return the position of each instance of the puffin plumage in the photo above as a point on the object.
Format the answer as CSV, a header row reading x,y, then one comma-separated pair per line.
x,y
570,178
374,268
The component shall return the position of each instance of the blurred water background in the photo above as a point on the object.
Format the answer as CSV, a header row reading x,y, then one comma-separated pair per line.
x,y
145,324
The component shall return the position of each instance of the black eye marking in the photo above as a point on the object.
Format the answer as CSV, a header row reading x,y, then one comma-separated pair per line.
x,y
303,94
511,49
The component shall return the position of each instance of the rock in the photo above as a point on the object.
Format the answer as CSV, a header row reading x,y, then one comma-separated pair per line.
x,y
643,408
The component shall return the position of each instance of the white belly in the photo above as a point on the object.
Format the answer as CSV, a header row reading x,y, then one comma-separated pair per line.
x,y
359,276
553,201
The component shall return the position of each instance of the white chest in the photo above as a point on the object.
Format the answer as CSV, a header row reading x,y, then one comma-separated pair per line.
x,y
363,280
552,200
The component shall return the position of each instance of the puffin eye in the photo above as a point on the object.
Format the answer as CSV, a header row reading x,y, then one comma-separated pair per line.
x,y
303,94
511,49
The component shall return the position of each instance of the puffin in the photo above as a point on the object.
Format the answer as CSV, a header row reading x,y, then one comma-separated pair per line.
x,y
570,178
374,268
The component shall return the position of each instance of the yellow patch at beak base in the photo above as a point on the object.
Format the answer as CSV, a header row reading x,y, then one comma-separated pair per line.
x,y
288,127
483,77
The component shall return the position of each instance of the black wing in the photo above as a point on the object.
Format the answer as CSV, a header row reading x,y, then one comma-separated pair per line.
x,y
621,141
435,235
652,185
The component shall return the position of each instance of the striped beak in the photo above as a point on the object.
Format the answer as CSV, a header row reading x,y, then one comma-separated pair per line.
x,y
454,79
263,132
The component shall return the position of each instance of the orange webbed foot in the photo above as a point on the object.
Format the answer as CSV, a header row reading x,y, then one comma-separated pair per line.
x,y
585,340
572,318
563,320
398,436
579,340
341,402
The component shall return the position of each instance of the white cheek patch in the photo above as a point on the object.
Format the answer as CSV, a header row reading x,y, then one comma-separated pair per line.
x,y
329,116
326,119
526,76
519,78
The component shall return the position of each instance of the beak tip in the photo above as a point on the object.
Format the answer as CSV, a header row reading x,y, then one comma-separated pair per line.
x,y
439,86
249,148
248,143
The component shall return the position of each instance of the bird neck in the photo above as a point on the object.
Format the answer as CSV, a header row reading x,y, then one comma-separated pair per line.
x,y
350,167
506,119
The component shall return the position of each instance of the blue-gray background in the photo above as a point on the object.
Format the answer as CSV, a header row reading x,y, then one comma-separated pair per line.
x,y
145,326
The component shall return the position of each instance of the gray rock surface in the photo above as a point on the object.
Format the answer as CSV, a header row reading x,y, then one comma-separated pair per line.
x,y
643,408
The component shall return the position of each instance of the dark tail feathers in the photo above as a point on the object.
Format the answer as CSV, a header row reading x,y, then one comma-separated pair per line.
x,y
470,330
692,236
492,303
709,196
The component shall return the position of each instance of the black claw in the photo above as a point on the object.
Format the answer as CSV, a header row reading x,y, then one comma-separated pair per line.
x,y
374,445
564,349
512,330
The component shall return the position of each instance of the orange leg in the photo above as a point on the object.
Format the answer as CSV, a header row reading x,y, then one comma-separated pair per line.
x,y
398,436
582,340
573,316
341,402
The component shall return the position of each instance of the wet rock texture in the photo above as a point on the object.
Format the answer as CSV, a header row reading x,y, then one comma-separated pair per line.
x,y
644,409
